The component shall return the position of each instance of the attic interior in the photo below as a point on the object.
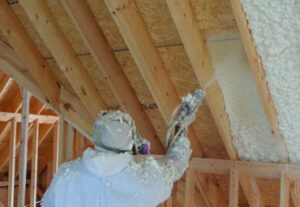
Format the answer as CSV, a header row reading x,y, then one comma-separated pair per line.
x,y
63,61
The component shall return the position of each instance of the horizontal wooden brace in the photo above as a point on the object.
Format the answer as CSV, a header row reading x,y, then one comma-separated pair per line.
x,y
43,119
255,169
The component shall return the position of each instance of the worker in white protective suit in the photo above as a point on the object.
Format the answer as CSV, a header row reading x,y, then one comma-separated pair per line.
x,y
110,177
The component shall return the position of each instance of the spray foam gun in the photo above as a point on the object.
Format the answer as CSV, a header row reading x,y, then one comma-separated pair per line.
x,y
184,114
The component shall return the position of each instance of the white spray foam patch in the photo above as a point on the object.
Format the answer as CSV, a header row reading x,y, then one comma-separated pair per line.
x,y
275,26
251,134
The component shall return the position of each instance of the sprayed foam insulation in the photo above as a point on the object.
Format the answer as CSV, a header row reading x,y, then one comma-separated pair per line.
x,y
252,137
275,27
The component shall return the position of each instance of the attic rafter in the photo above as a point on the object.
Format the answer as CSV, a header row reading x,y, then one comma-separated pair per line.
x,y
107,62
46,25
150,64
28,52
148,60
198,54
72,108
259,75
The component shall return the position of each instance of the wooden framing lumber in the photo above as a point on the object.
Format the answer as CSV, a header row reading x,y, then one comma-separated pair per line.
x,y
259,75
190,185
34,163
255,169
198,54
196,49
234,188
74,111
61,142
29,54
12,162
284,191
23,149
107,62
56,149
148,60
69,147
5,84
46,25
43,119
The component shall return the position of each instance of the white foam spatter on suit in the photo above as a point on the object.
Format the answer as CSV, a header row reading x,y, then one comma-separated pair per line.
x,y
275,27
252,137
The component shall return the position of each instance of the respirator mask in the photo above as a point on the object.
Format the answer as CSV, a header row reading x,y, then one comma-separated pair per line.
x,y
116,132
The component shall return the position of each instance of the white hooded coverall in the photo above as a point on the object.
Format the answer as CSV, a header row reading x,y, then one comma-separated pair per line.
x,y
106,179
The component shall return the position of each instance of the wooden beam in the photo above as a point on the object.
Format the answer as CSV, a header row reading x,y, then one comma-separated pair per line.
x,y
196,49
34,163
108,64
234,188
46,25
149,61
198,54
190,185
23,149
12,162
255,169
295,193
259,75
284,191
18,37
5,84
43,119
61,143
56,150
73,109
69,147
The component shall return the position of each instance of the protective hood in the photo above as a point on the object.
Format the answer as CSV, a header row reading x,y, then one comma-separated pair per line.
x,y
103,164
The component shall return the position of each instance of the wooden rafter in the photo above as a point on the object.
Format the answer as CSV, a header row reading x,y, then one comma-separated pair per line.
x,y
5,84
150,64
72,108
198,54
43,119
46,25
259,75
107,62
34,163
28,52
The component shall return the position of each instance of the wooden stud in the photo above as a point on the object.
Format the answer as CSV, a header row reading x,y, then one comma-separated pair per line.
x,y
79,145
34,163
189,187
169,202
39,192
46,25
72,108
69,146
234,188
12,162
295,193
56,149
196,49
23,149
284,191
107,62
259,75
61,140
49,172
18,37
